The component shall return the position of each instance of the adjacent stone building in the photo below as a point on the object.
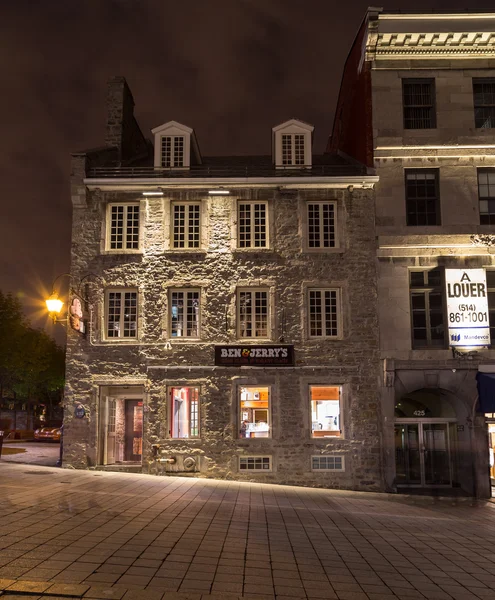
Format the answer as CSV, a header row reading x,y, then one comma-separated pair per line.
x,y
417,103
229,310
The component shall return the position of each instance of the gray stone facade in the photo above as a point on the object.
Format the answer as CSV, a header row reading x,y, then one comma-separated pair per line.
x,y
101,371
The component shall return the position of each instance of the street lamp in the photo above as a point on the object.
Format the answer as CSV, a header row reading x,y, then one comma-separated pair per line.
x,y
77,298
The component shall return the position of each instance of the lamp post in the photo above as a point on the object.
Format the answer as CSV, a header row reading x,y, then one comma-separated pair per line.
x,y
76,316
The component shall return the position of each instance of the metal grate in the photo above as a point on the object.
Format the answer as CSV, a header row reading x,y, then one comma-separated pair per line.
x,y
255,463
419,103
484,103
327,462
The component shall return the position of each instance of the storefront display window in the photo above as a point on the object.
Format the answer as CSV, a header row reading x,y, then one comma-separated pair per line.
x,y
254,412
491,448
325,411
184,412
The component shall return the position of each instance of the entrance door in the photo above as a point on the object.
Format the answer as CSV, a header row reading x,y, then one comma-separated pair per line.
x,y
133,448
423,454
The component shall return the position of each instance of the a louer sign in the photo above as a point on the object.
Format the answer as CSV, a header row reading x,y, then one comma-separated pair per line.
x,y
467,307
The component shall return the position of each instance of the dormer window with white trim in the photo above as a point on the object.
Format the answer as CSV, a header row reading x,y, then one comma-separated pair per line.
x,y
175,146
172,151
291,145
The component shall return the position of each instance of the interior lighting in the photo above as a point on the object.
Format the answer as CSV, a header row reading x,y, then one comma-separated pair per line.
x,y
220,192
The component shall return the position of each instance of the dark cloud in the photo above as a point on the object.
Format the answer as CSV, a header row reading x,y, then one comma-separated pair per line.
x,y
230,69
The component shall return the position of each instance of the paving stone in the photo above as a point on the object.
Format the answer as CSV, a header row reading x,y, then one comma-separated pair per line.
x,y
29,586
61,589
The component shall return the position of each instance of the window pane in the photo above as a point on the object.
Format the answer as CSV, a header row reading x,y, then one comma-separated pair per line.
x,y
323,313
117,227
422,202
121,314
254,412
166,151
321,225
184,313
325,411
252,225
418,102
184,412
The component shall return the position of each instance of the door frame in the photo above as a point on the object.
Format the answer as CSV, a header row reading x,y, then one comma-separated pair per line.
x,y
103,421
450,449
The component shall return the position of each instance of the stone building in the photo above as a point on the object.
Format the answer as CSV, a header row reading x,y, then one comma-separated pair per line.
x,y
229,310
417,103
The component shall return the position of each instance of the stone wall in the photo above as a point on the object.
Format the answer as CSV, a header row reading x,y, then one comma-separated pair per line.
x,y
94,365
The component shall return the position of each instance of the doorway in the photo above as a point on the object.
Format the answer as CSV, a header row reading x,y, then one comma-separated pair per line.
x,y
424,452
121,430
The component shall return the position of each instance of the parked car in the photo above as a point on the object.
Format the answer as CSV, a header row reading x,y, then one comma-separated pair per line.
x,y
49,431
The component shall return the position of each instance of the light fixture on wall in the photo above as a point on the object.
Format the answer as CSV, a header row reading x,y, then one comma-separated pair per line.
x,y
158,192
78,298
219,192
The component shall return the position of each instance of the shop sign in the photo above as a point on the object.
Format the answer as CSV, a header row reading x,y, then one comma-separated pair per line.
x,y
467,307
254,356
76,316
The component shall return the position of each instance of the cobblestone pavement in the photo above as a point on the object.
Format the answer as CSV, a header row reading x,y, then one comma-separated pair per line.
x,y
90,534
37,453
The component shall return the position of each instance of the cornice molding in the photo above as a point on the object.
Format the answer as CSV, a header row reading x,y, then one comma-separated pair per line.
x,y
435,44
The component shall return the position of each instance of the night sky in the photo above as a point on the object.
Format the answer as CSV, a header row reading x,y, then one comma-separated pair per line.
x,y
231,69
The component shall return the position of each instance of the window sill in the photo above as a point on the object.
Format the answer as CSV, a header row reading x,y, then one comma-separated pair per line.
x,y
324,338
184,340
337,250
129,342
185,251
252,250
138,251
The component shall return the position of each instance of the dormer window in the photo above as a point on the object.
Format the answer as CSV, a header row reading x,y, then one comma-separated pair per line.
x,y
293,149
172,151
291,145
175,146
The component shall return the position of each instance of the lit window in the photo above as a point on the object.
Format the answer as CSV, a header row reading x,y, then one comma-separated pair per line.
x,y
322,230
121,314
419,103
123,227
484,103
486,196
184,412
427,308
252,313
422,197
186,223
324,312
254,412
325,411
252,225
172,151
184,313
293,149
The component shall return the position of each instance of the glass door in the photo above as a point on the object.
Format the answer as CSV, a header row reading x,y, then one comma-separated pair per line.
x,y
423,454
436,454
407,454
133,430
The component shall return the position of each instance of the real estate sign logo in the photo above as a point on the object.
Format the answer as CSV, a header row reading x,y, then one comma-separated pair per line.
x,y
467,307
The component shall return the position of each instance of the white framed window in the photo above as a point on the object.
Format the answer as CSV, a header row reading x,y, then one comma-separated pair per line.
x,y
328,462
184,412
293,153
253,313
254,418
255,464
186,225
321,230
326,411
172,151
324,313
123,226
184,313
252,224
121,314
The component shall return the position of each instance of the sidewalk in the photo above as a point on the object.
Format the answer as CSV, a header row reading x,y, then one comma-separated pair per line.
x,y
109,535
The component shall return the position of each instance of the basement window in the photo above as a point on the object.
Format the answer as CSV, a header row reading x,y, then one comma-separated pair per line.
x,y
255,463
327,463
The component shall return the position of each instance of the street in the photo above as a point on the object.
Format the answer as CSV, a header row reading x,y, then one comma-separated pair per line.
x,y
109,535
36,453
